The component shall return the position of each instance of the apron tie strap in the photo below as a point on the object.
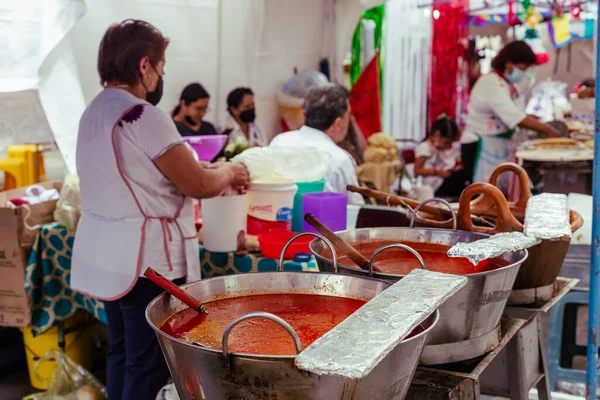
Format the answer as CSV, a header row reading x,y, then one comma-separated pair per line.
x,y
167,235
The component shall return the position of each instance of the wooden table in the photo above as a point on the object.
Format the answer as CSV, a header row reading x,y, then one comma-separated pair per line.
x,y
547,169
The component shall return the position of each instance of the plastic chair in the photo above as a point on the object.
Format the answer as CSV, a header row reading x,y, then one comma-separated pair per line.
x,y
561,343
14,173
32,156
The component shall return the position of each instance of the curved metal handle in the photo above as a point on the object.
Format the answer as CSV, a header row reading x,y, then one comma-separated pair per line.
x,y
264,315
317,235
434,200
395,246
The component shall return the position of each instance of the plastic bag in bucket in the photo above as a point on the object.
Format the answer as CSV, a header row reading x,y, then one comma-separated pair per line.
x,y
70,381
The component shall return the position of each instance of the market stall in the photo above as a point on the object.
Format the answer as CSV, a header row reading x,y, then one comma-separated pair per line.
x,y
436,311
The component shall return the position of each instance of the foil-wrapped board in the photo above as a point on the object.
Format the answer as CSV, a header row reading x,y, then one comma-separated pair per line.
x,y
491,247
354,347
547,217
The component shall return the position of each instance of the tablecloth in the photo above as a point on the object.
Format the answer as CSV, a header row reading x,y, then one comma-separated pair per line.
x,y
48,275
217,264
47,281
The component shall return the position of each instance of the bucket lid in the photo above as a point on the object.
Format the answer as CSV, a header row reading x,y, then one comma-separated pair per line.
x,y
273,184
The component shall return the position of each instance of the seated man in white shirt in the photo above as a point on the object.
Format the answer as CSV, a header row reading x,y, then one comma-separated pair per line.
x,y
326,120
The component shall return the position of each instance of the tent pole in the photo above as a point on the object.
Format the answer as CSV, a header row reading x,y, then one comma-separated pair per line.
x,y
218,96
594,306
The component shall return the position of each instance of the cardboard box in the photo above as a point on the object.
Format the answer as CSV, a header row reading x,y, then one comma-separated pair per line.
x,y
16,241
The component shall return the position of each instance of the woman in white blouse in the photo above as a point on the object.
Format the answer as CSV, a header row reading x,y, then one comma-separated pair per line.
x,y
496,109
137,181
241,119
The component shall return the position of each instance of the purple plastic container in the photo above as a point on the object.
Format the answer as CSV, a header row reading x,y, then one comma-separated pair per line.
x,y
329,208
207,147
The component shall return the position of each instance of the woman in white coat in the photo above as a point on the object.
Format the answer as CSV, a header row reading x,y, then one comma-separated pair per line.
x,y
496,109
137,181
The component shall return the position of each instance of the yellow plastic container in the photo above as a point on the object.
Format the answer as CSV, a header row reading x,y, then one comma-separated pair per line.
x,y
79,348
34,167
15,175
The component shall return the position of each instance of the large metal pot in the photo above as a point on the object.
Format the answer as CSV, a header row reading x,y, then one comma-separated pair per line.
x,y
474,312
205,373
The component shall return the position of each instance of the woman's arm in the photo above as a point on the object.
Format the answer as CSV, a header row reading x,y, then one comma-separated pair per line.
x,y
420,169
194,179
531,122
587,92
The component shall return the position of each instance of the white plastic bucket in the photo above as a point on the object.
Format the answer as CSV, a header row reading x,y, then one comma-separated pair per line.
x,y
272,200
224,223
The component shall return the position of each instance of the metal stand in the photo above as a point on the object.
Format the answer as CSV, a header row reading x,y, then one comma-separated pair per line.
x,y
447,353
512,369
459,381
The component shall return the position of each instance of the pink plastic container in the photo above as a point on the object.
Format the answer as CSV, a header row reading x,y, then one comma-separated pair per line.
x,y
207,147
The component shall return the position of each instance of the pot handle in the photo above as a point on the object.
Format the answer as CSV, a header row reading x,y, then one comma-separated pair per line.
x,y
505,220
524,189
264,315
394,246
317,235
414,213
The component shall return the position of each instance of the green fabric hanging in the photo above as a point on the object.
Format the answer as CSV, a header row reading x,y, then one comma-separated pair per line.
x,y
376,14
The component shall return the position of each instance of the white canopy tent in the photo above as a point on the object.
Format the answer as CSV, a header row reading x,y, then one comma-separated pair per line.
x,y
49,48
49,55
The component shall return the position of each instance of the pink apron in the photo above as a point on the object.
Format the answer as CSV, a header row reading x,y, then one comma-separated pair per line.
x,y
147,221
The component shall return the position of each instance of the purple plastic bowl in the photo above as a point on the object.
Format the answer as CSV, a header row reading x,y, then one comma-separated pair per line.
x,y
207,147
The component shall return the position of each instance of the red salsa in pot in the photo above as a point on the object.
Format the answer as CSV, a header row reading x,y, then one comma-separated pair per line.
x,y
311,316
401,262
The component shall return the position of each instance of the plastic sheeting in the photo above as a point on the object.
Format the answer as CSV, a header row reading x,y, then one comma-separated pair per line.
x,y
39,73
407,64
221,43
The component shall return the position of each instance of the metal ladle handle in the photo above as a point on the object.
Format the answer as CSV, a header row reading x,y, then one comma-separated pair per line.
x,y
317,235
395,246
264,315
434,200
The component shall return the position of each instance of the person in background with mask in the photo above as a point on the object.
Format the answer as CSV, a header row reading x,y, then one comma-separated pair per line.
x,y
496,109
189,114
326,121
137,181
241,119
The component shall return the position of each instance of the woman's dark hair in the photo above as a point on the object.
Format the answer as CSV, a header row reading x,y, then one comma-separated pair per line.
x,y
190,94
235,97
324,104
446,127
517,52
589,83
123,46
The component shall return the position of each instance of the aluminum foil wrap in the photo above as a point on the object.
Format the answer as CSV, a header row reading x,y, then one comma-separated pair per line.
x,y
354,347
491,247
547,216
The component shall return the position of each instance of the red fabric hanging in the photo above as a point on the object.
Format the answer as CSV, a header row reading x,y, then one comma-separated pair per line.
x,y
365,99
449,56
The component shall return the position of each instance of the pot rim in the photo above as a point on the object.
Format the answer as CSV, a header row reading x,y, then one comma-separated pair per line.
x,y
398,276
262,357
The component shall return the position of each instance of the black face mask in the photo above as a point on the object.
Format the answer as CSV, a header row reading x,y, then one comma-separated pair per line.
x,y
154,97
248,115
190,121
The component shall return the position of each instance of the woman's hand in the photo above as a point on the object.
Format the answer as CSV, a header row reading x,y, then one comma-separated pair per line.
x,y
200,180
240,175
586,93
444,173
552,132
533,123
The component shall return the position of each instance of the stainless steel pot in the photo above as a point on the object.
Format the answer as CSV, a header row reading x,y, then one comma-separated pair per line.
x,y
471,313
206,373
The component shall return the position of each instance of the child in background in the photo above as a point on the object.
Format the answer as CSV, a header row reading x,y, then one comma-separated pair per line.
x,y
438,158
